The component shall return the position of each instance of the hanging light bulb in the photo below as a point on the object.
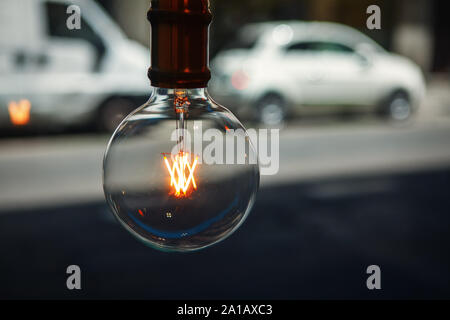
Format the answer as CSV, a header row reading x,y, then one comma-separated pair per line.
x,y
169,173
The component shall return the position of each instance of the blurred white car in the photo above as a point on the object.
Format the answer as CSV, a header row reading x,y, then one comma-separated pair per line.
x,y
62,76
280,68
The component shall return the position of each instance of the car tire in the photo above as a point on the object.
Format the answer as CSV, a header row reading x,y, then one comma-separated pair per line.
x,y
398,107
271,110
112,112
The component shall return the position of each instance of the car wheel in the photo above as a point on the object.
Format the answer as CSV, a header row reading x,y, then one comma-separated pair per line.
x,y
398,107
113,112
271,110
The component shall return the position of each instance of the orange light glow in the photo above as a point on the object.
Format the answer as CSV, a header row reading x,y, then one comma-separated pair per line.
x,y
182,174
240,80
19,113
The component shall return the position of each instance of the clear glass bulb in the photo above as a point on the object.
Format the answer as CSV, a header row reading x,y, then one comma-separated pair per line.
x,y
180,172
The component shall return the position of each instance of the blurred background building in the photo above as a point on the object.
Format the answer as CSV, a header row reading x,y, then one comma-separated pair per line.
x,y
418,29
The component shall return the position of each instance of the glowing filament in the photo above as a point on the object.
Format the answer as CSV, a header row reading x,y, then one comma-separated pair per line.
x,y
181,173
19,113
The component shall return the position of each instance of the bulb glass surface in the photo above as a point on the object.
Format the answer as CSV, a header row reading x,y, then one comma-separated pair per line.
x,y
171,175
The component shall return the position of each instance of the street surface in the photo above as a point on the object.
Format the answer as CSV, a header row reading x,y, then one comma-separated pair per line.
x,y
52,171
349,194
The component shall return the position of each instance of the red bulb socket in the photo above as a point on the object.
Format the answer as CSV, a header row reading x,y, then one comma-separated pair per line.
x,y
179,46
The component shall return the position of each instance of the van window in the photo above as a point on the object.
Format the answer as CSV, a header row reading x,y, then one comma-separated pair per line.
x,y
56,19
319,46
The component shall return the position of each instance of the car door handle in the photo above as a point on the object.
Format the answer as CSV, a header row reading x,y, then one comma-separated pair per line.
x,y
41,59
22,59
316,77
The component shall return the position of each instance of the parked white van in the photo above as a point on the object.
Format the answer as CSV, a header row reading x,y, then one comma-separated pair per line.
x,y
68,77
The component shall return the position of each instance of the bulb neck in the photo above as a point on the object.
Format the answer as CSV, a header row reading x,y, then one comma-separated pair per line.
x,y
179,45
171,92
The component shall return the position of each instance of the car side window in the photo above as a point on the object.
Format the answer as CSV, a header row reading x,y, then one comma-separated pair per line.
x,y
56,26
318,46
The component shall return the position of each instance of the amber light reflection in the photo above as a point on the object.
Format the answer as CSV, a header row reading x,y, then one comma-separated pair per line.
x,y
181,173
19,113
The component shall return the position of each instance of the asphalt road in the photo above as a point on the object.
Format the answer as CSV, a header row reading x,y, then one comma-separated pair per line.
x,y
42,172
301,241
347,196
